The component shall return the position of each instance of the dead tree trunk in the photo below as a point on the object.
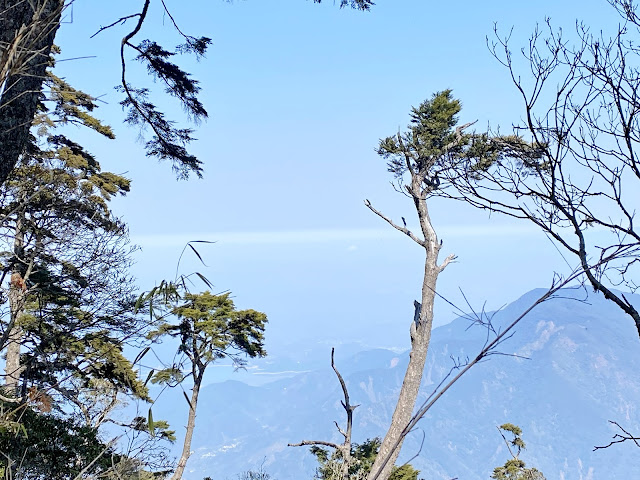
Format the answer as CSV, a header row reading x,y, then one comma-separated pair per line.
x,y
344,449
17,296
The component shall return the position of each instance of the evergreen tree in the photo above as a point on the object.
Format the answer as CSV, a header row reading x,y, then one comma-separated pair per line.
x,y
27,33
47,447
208,328
360,462
515,468
38,445
419,159
71,303
66,259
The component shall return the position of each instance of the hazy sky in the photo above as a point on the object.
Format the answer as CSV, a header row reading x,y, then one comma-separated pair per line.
x,y
298,96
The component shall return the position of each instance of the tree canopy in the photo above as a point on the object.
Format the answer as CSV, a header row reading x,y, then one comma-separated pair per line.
x,y
27,35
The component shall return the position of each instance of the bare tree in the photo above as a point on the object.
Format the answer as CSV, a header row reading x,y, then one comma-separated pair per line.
x,y
581,114
343,450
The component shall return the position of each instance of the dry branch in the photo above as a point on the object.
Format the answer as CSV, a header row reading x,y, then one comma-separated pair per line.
x,y
344,449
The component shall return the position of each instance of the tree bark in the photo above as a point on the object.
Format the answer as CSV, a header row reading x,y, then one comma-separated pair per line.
x,y
191,423
420,338
12,367
410,385
17,294
25,64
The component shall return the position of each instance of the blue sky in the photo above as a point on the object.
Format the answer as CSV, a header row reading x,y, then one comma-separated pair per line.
x,y
298,96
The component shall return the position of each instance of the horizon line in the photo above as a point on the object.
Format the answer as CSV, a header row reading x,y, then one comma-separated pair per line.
x,y
321,235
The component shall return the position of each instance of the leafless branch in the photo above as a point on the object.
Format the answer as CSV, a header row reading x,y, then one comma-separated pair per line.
x,y
121,21
343,449
625,436
404,230
487,350
576,172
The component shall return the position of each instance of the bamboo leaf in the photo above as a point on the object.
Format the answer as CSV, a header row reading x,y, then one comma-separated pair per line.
x,y
196,252
187,399
152,429
139,303
149,377
205,280
141,354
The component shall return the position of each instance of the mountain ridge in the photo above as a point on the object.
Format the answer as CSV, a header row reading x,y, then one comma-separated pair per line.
x,y
583,354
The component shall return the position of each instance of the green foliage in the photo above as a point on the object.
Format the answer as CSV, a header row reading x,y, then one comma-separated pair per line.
x,y
516,441
167,142
355,4
404,472
71,106
169,376
160,428
209,327
430,136
515,468
179,84
73,254
49,447
362,457
434,150
75,307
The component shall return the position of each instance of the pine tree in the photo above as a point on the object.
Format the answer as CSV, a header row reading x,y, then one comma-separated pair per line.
x,y
360,462
209,328
66,259
420,159
72,304
515,468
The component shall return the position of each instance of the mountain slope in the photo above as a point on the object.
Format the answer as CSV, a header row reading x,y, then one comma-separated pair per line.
x,y
581,370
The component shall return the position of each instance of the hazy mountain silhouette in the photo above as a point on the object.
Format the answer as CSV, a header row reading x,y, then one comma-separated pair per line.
x,y
583,359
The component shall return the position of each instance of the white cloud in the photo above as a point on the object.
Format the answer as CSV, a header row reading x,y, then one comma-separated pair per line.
x,y
252,238
505,230
283,372
323,236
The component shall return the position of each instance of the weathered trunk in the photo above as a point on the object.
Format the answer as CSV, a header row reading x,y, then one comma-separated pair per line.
x,y
24,64
191,423
17,294
411,383
12,367
420,338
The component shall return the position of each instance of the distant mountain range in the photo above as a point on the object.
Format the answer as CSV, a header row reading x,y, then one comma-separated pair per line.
x,y
582,370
